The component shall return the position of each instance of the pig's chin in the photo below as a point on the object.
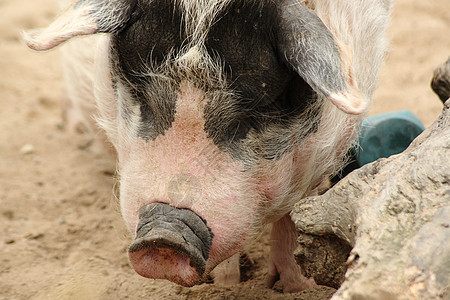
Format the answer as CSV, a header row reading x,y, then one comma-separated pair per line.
x,y
161,263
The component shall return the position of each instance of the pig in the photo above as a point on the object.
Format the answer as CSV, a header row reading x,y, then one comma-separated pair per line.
x,y
223,114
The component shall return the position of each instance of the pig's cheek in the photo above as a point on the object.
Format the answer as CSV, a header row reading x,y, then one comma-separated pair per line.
x,y
130,215
276,176
231,231
230,209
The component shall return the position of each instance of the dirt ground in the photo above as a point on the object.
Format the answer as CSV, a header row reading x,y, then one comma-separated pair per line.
x,y
61,233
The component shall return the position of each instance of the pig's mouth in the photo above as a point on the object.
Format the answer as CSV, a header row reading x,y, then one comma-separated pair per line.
x,y
171,243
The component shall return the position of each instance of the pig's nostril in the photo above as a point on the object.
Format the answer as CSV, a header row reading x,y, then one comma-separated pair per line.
x,y
169,234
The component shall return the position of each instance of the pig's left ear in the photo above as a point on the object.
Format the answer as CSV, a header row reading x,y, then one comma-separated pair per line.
x,y
308,47
84,17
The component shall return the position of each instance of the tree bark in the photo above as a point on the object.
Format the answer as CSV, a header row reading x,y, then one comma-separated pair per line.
x,y
386,226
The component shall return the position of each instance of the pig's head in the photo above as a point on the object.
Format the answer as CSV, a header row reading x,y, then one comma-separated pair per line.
x,y
210,105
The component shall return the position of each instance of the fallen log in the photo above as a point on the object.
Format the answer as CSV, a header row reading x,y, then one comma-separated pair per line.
x,y
383,232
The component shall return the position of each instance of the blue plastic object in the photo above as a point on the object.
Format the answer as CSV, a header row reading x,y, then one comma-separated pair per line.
x,y
387,134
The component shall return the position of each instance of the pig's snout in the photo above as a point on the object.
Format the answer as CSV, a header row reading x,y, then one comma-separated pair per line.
x,y
171,243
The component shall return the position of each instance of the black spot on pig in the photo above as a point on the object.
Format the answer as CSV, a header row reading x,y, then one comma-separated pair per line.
x,y
264,97
146,42
268,93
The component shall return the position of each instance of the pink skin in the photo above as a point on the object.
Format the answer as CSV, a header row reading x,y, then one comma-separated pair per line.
x,y
163,263
284,181
185,169
282,265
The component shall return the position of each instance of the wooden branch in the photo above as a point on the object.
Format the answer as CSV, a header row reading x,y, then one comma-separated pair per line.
x,y
395,213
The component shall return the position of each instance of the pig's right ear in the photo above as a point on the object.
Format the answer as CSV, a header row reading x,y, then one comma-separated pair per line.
x,y
84,17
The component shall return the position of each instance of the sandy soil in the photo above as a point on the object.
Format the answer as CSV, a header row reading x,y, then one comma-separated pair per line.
x,y
61,235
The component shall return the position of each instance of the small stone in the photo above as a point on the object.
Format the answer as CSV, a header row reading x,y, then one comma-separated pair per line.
x,y
85,144
9,214
35,236
62,220
27,149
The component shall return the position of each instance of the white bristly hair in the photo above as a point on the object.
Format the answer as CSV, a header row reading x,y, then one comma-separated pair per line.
x,y
199,15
